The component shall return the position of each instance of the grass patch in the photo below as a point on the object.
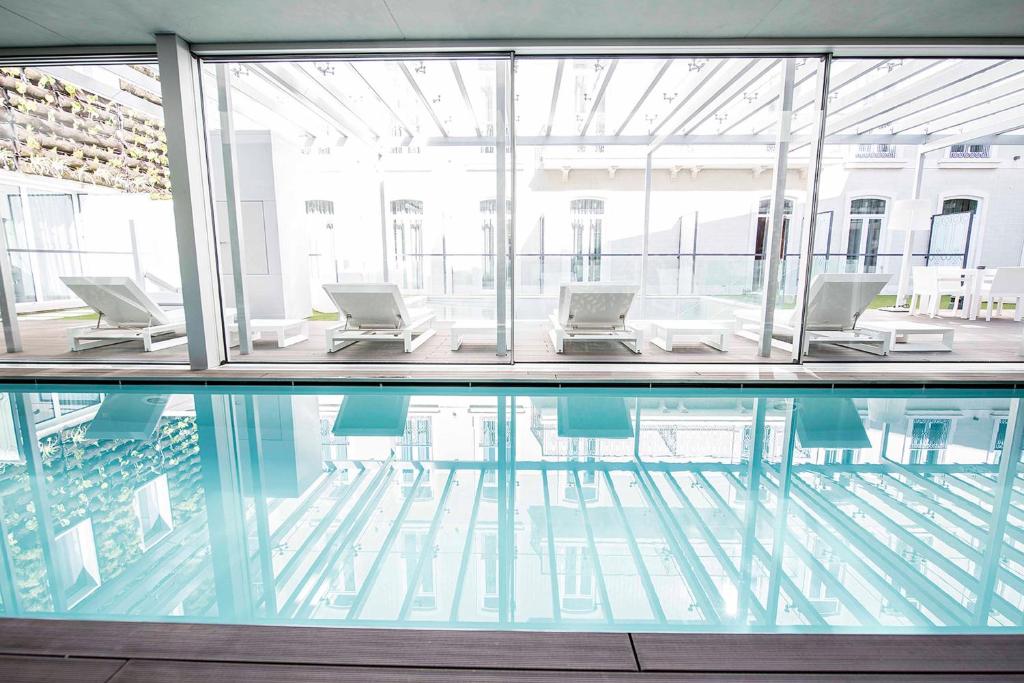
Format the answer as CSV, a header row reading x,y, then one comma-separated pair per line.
x,y
322,316
82,316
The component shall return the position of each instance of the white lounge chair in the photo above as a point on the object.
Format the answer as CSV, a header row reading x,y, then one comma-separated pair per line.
x,y
996,288
376,312
126,313
834,304
594,312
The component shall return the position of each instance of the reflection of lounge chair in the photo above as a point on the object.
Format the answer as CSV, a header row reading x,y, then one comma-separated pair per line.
x,y
594,312
830,423
834,304
126,313
376,312
372,415
127,416
594,417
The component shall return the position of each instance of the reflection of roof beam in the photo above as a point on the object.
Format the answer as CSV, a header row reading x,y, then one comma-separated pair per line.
x,y
600,95
423,98
465,94
659,139
383,102
912,94
554,95
303,69
643,98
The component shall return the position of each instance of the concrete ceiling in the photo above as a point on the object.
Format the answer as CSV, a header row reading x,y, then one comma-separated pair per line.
x,y
31,23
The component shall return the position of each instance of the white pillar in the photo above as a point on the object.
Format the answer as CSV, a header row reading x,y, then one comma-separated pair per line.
x,y
908,241
501,246
645,240
179,81
8,305
778,200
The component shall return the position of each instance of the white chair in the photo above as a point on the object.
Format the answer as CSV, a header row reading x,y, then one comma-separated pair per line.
x,y
1004,284
931,283
126,313
594,312
376,312
834,304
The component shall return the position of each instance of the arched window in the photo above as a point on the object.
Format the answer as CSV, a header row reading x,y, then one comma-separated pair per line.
x,y
587,217
867,216
960,205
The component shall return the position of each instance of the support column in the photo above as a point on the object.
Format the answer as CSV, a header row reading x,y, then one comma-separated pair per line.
x,y
778,199
8,303
179,86
228,146
500,238
645,240
908,241
811,219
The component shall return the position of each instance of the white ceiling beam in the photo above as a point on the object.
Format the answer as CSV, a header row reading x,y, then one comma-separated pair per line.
x,y
352,119
290,90
997,126
914,94
740,89
600,95
643,98
457,72
423,98
994,98
957,126
732,74
380,99
690,95
555,90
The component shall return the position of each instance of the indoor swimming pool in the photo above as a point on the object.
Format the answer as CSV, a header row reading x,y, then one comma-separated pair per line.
x,y
584,509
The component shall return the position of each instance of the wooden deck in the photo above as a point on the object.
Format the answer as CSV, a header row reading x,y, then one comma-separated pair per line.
x,y
976,341
87,652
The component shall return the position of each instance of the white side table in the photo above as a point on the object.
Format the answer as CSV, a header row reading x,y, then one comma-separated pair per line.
x,y
473,328
665,334
911,336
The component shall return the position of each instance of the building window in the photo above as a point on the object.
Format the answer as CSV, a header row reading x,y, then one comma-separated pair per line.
x,y
489,558
970,151
78,572
416,445
407,226
876,151
578,581
763,216
488,221
587,217
928,439
865,234
959,205
153,508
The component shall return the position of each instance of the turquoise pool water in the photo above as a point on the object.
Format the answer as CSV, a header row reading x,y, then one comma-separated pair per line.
x,y
524,508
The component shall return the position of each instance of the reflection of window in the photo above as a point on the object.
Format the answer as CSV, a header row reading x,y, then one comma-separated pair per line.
x,y
344,589
969,151
415,445
578,581
761,236
489,558
876,151
8,440
153,507
999,438
78,572
425,597
488,219
866,217
587,216
407,226
928,439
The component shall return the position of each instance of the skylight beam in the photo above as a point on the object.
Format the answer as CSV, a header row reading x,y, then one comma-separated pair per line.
x,y
423,99
457,72
554,95
600,95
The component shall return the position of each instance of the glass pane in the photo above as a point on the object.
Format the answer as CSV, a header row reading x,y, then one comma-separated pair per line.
x,y
368,208
85,203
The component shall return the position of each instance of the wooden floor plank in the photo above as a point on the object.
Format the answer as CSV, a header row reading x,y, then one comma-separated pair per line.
x,y
169,671
286,644
830,653
14,669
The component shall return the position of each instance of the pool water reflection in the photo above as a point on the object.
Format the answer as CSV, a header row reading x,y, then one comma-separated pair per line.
x,y
699,510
